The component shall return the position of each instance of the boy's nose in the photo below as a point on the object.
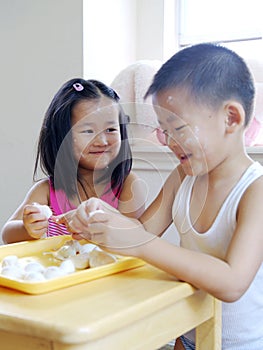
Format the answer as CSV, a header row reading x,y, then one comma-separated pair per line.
x,y
171,141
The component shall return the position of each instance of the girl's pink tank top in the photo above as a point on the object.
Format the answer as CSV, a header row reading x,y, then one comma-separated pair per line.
x,y
59,204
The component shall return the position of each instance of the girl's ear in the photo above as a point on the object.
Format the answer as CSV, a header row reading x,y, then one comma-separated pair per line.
x,y
235,116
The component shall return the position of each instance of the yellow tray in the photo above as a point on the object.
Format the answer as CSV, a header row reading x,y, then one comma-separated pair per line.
x,y
34,251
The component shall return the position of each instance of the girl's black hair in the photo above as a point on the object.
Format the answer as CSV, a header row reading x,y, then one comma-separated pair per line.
x,y
211,73
55,154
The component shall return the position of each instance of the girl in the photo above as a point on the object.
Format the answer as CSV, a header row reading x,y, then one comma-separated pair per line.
x,y
204,99
84,150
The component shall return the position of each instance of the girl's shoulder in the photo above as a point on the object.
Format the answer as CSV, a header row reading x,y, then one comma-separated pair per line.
x,y
39,192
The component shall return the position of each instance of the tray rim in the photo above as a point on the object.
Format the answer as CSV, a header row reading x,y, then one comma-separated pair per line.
x,y
80,276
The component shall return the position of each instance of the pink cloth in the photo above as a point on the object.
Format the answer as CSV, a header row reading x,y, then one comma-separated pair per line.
x,y
59,204
254,134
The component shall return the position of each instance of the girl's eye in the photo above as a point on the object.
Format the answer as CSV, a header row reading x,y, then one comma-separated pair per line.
x,y
87,131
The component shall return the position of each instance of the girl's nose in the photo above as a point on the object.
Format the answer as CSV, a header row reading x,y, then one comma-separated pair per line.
x,y
100,139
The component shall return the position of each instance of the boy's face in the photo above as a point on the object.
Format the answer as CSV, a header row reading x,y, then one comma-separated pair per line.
x,y
193,131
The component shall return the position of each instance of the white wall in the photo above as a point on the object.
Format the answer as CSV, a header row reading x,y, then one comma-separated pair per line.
x,y
109,37
41,47
124,32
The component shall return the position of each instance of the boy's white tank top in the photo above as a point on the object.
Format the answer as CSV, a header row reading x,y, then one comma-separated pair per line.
x,y
242,320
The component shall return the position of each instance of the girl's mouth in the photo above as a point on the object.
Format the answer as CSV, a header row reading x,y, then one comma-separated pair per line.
x,y
98,152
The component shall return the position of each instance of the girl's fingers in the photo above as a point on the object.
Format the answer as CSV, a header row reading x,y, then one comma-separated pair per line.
x,y
29,209
59,219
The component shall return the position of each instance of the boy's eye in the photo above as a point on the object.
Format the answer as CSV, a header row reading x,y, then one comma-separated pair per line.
x,y
111,129
181,127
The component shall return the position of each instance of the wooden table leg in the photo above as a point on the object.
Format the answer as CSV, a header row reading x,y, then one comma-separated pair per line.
x,y
208,334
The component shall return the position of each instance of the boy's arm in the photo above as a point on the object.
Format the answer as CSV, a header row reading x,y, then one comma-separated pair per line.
x,y
133,196
226,279
158,216
14,229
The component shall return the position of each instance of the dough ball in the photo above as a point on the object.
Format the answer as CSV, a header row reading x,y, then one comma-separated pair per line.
x,y
34,266
67,266
10,260
80,261
98,257
14,272
34,277
44,209
53,272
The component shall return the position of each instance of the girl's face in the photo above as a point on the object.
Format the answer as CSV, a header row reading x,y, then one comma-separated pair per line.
x,y
193,131
96,133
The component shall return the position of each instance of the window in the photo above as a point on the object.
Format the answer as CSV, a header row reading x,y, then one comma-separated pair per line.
x,y
235,24
219,21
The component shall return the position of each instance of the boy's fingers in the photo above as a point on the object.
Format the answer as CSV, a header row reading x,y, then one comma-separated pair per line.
x,y
92,204
58,219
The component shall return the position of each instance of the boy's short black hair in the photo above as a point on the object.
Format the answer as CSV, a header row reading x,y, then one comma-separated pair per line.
x,y
211,73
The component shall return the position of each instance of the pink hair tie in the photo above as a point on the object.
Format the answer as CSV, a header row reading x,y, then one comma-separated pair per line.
x,y
78,87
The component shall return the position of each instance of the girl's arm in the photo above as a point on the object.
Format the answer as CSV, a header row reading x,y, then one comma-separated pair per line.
x,y
14,230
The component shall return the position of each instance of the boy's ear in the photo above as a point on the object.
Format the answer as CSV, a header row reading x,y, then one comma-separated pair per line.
x,y
235,116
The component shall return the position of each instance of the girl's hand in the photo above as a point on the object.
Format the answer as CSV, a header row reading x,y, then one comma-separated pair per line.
x,y
35,223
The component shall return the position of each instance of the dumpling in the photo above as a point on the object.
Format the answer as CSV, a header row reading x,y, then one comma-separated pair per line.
x,y
87,248
67,266
98,257
81,261
65,252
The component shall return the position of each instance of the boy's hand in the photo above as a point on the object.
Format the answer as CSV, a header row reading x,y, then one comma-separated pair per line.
x,y
76,220
67,219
